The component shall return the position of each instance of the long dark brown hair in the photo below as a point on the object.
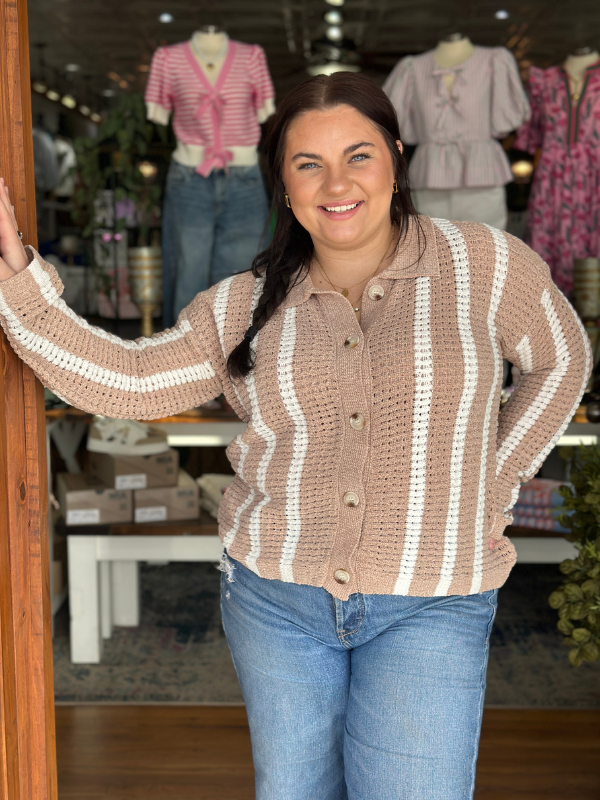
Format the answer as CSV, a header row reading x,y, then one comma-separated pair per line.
x,y
286,261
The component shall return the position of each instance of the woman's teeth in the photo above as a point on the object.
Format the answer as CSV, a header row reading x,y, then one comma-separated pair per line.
x,y
340,209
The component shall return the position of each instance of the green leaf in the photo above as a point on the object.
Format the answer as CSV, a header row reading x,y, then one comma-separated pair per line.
x,y
575,657
573,592
581,635
590,651
565,627
557,599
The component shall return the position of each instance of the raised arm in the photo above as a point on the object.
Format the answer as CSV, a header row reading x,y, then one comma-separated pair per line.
x,y
542,334
90,368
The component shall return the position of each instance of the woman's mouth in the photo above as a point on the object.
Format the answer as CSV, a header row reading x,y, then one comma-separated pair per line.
x,y
341,210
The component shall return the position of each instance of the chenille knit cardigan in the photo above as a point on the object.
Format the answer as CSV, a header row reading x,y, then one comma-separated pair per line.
x,y
374,448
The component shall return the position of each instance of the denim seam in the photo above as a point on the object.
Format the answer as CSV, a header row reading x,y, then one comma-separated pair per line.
x,y
342,634
482,689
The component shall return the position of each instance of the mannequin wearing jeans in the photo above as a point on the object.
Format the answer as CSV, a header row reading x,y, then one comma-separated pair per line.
x,y
216,211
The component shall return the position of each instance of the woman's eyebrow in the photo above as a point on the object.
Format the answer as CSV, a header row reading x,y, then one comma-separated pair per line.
x,y
354,147
348,150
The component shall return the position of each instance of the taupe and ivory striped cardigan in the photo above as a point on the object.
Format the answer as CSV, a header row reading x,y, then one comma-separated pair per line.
x,y
374,459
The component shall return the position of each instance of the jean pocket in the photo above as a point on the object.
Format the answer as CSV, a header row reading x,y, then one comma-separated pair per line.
x,y
178,174
247,174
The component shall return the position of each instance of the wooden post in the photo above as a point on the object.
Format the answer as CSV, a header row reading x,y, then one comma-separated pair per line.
x,y
27,730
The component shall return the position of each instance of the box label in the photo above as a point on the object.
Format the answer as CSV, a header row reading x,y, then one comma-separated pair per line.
x,y
134,481
151,514
83,516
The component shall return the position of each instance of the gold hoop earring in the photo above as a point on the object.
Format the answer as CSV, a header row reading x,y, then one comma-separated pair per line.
x,y
287,200
395,188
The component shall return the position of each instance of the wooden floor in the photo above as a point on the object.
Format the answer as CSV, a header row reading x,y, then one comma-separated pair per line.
x,y
203,752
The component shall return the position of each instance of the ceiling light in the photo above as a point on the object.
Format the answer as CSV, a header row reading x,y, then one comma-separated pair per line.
x,y
85,111
52,95
329,67
96,117
123,84
40,87
108,93
114,76
334,33
69,101
335,2
143,67
72,67
165,18
502,14
333,18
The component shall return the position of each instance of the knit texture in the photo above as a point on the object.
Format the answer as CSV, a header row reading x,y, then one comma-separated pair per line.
x,y
434,471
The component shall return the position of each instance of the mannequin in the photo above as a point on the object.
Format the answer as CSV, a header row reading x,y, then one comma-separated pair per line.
x,y
576,65
454,102
564,204
215,213
451,51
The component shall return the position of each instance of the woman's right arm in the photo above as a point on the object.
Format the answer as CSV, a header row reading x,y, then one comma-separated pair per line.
x,y
91,369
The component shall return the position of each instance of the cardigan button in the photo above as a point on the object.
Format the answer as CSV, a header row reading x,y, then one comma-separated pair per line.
x,y
341,576
376,292
351,499
357,421
352,341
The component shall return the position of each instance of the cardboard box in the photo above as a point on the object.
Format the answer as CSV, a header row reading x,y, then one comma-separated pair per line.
x,y
85,500
136,472
169,502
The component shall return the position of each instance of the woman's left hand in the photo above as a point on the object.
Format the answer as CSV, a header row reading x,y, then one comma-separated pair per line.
x,y
491,544
13,258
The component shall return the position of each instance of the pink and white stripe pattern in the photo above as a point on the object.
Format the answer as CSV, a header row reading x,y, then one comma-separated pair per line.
x,y
212,117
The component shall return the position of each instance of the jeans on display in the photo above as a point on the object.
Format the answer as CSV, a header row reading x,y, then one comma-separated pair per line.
x,y
213,227
378,697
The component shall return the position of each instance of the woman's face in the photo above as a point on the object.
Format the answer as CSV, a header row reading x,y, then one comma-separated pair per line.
x,y
336,159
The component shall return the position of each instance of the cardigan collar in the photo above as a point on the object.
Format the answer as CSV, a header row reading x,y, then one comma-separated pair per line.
x,y
416,257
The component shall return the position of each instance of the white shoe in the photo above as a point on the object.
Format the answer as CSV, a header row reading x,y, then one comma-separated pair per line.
x,y
125,437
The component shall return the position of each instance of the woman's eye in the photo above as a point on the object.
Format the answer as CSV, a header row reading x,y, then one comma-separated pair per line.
x,y
307,165
360,157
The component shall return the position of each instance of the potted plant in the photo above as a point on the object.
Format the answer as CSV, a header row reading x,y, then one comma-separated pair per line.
x,y
119,191
577,600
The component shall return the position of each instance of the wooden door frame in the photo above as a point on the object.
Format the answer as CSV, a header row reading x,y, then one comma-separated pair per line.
x,y
27,728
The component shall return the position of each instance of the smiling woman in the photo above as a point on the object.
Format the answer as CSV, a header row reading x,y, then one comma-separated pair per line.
x,y
364,531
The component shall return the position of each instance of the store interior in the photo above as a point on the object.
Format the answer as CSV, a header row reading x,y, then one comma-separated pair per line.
x,y
143,174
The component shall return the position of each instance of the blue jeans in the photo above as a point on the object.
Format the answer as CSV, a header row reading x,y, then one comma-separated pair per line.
x,y
213,227
378,697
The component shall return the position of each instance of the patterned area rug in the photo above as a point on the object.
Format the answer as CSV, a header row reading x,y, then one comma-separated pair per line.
x,y
179,653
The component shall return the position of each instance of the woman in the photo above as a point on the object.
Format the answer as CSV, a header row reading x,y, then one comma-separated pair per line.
x,y
364,530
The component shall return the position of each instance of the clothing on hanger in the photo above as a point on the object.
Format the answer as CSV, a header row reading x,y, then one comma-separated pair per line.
x,y
215,125
564,205
456,129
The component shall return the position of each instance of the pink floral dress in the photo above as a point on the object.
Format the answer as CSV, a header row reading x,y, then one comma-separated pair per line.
x,y
564,206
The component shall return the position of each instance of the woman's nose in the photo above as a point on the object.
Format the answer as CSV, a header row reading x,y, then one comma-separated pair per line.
x,y
337,183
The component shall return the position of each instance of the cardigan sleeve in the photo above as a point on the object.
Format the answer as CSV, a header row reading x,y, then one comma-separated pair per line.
x,y
263,90
158,94
96,371
540,332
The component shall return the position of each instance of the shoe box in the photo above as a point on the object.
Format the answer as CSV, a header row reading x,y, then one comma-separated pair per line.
x,y
86,500
135,472
168,503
